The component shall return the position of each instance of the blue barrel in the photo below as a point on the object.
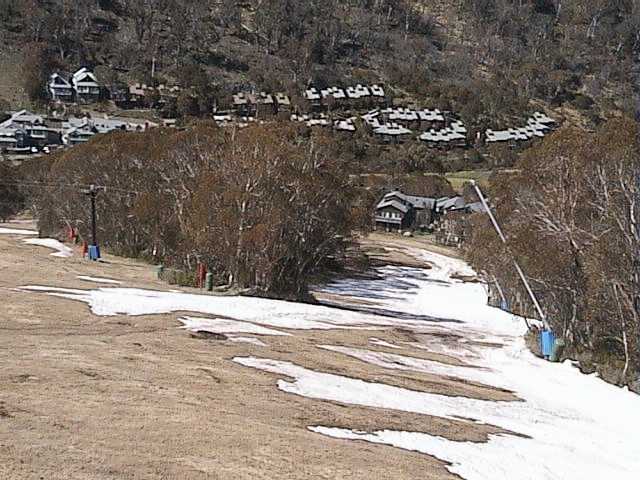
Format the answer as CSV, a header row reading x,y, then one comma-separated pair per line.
x,y
94,252
547,341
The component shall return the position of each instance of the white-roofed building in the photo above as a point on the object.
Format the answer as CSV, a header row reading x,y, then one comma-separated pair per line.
x,y
377,91
453,136
86,85
538,125
347,125
22,118
10,138
60,89
399,211
392,132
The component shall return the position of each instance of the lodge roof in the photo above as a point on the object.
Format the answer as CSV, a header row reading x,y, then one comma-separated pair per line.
x,y
394,204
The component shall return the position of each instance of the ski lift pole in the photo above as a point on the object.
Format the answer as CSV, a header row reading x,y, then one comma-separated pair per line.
x,y
515,262
94,249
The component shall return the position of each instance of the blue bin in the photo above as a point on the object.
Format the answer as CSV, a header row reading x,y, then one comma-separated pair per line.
x,y
547,341
94,252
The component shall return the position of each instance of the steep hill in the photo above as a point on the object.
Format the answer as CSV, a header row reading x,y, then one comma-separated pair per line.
x,y
488,59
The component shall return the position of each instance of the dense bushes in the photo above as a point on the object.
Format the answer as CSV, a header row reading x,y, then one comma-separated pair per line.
x,y
263,207
572,217
11,198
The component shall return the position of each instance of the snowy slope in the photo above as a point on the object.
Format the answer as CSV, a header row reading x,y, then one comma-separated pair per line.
x,y
569,426
566,426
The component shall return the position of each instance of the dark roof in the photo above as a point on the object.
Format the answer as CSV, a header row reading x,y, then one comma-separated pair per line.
x,y
419,202
475,207
394,204
450,203
413,200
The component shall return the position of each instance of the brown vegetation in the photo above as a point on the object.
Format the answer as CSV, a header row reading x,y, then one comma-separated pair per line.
x,y
11,197
262,207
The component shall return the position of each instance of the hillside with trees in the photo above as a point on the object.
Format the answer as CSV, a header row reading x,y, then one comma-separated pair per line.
x,y
487,59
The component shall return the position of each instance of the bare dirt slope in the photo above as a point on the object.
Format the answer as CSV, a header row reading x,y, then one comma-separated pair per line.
x,y
88,397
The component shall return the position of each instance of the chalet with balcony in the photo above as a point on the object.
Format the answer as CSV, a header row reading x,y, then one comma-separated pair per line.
x,y
86,86
60,89
10,138
399,211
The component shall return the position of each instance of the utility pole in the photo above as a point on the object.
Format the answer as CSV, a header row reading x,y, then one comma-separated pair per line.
x,y
515,262
92,192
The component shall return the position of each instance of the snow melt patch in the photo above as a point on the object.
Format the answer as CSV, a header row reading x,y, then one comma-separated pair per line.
x,y
223,326
393,361
573,425
273,313
62,250
583,436
432,293
252,340
337,388
382,343
99,280
503,456
16,231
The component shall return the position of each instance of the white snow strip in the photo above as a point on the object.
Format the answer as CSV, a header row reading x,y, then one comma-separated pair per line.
x,y
62,250
503,457
252,340
99,280
439,345
327,386
400,362
432,293
20,221
575,437
16,231
274,313
221,325
382,343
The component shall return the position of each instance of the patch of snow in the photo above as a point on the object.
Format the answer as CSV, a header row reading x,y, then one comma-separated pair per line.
x,y
16,231
252,340
327,386
273,313
393,361
439,345
220,325
62,250
583,435
578,426
382,343
430,293
20,221
99,280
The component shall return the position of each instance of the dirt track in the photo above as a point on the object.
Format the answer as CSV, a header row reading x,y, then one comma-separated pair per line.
x,y
89,397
